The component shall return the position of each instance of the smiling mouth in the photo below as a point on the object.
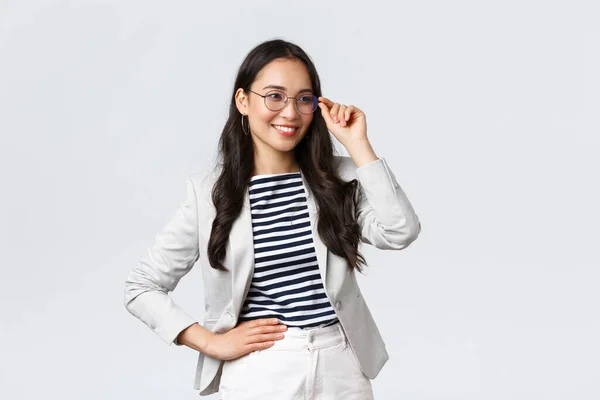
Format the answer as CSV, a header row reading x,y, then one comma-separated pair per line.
x,y
286,130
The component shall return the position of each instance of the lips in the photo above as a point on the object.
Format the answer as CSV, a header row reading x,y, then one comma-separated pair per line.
x,y
286,130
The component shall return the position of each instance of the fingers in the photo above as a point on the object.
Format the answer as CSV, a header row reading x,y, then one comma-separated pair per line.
x,y
335,113
267,329
326,101
342,115
348,113
261,330
261,322
330,112
267,337
257,346
262,334
326,115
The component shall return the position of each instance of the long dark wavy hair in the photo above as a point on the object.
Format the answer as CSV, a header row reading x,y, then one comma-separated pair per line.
x,y
336,199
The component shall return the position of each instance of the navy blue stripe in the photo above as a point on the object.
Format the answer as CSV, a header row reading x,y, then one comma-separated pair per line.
x,y
276,196
283,246
267,268
283,318
284,273
288,310
275,178
278,187
258,217
289,301
302,252
286,292
305,325
282,219
278,204
291,282
283,237
313,324
284,228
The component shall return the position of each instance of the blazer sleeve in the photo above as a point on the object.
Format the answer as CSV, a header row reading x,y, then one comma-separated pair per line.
x,y
385,215
172,256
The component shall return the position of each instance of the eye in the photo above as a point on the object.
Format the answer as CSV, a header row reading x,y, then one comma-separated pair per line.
x,y
306,98
275,96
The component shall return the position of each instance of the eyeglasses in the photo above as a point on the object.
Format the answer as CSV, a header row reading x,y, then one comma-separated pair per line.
x,y
276,100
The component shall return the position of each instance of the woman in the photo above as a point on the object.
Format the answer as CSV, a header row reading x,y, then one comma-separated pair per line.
x,y
275,229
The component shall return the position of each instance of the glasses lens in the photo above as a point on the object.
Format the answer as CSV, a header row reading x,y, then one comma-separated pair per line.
x,y
307,103
275,100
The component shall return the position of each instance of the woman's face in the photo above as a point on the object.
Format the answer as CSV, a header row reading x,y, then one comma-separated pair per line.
x,y
279,130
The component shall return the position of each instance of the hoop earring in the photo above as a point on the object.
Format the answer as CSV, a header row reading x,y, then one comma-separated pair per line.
x,y
244,129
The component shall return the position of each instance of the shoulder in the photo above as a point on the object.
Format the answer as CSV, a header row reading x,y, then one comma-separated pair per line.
x,y
202,183
200,179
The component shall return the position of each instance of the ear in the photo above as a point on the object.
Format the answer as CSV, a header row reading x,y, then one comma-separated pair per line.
x,y
241,101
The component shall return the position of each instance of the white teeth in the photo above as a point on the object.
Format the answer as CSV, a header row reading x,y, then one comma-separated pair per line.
x,y
284,128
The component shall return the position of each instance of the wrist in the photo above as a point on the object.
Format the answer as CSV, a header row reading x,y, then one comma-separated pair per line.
x,y
204,341
361,152
198,338
207,344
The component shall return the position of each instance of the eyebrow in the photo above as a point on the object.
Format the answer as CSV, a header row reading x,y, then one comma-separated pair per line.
x,y
282,88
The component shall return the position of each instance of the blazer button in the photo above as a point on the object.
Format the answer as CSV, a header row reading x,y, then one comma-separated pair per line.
x,y
338,305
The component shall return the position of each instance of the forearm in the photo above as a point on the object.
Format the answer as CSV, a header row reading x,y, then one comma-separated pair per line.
x,y
196,337
386,216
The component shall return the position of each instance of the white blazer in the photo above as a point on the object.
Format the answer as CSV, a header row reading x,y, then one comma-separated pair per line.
x,y
387,221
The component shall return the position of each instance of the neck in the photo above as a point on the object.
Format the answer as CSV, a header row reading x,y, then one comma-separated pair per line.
x,y
275,163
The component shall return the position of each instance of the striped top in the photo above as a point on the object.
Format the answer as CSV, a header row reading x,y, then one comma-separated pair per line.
x,y
286,283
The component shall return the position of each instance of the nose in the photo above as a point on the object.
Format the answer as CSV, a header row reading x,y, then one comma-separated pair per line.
x,y
289,111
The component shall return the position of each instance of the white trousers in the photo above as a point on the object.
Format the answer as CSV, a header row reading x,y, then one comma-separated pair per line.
x,y
307,364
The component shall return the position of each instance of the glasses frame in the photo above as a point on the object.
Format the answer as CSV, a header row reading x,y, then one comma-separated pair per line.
x,y
286,98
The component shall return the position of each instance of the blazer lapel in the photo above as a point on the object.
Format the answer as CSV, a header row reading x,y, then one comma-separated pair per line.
x,y
320,248
240,256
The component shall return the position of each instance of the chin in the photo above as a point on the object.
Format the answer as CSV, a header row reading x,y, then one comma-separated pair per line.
x,y
285,147
283,143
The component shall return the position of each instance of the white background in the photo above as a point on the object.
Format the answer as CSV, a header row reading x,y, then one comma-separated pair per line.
x,y
488,113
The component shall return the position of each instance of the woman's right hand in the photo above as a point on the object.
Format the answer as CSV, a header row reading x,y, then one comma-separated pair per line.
x,y
245,338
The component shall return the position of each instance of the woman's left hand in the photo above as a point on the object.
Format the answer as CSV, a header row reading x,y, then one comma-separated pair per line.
x,y
347,123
